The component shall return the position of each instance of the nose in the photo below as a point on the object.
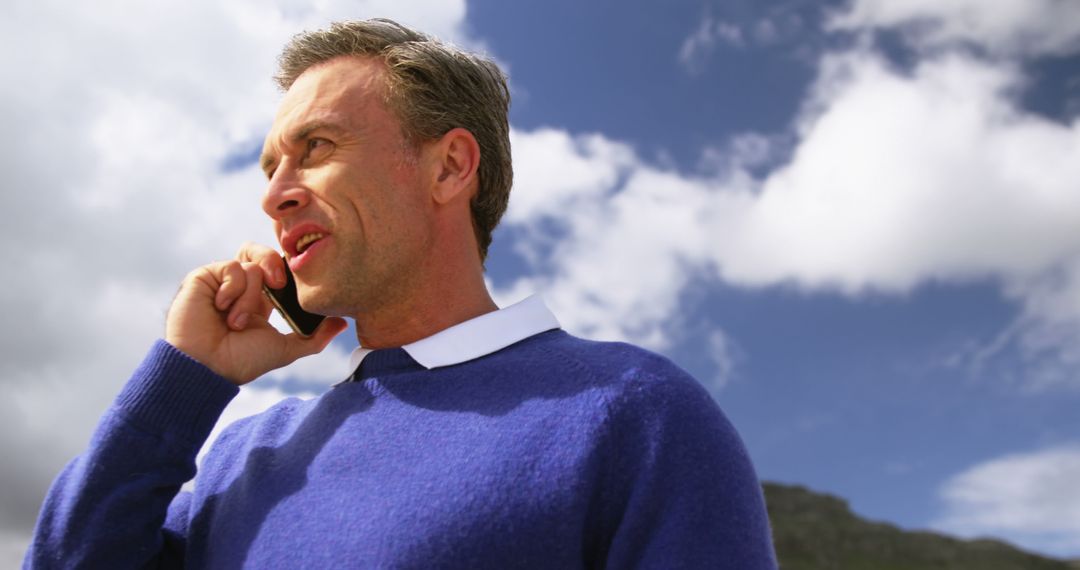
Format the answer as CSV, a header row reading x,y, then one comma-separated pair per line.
x,y
285,194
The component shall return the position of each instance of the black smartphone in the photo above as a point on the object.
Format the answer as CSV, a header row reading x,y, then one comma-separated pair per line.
x,y
287,303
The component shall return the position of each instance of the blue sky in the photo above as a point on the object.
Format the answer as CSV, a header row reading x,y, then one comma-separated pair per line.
x,y
857,223
613,68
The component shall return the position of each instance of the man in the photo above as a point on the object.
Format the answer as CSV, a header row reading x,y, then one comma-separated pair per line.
x,y
466,437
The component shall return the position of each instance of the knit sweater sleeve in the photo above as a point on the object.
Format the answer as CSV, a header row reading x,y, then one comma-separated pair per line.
x,y
107,508
686,492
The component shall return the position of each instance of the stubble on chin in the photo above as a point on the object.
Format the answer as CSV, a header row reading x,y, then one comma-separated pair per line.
x,y
344,295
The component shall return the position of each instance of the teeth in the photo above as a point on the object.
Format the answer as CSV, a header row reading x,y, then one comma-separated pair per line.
x,y
306,240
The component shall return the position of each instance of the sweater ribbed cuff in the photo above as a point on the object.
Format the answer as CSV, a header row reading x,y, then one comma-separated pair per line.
x,y
171,393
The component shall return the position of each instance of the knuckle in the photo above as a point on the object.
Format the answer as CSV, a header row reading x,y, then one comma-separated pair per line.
x,y
200,273
254,252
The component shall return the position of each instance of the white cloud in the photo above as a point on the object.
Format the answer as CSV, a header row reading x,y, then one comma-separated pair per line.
x,y
1006,27
555,172
1031,499
901,178
896,179
631,235
698,47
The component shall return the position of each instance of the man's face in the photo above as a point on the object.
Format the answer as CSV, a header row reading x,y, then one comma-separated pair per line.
x,y
347,192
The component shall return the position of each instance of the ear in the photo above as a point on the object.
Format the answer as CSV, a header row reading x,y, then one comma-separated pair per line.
x,y
458,156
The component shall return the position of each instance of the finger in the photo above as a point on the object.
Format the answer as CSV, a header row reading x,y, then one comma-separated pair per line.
x,y
265,307
251,300
297,346
233,282
269,260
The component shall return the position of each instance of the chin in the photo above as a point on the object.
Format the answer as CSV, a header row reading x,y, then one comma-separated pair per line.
x,y
320,302
311,299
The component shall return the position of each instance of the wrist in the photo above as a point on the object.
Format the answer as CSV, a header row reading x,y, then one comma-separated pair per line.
x,y
170,392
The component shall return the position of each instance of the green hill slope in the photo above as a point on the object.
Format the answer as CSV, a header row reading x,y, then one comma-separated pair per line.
x,y
813,531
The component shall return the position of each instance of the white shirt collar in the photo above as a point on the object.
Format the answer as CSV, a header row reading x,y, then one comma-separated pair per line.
x,y
476,337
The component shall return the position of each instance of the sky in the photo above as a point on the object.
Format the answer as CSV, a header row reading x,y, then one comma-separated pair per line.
x,y
856,222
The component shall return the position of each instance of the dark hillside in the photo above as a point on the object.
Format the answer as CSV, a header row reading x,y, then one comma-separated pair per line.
x,y
813,531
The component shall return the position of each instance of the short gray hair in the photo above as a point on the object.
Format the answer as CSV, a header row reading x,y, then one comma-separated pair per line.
x,y
432,88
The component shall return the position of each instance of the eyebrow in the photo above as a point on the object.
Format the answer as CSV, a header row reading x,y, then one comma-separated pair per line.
x,y
300,134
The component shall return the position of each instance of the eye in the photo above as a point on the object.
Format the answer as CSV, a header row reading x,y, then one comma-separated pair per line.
x,y
316,149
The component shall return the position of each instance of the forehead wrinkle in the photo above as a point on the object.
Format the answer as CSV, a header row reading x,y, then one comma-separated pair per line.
x,y
304,130
300,133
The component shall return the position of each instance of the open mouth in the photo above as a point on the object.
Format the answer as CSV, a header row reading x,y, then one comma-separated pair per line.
x,y
306,240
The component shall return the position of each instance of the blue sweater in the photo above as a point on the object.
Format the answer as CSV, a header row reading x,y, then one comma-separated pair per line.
x,y
552,453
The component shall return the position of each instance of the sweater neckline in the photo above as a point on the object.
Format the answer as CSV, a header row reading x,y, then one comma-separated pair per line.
x,y
386,361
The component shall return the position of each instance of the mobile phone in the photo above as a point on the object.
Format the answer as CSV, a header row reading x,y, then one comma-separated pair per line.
x,y
288,304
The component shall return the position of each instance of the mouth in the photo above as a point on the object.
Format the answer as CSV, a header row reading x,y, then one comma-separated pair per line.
x,y
300,241
306,240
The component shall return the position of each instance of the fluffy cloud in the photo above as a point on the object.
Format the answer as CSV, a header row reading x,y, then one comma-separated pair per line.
x,y
897,178
1029,498
904,177
1005,27
631,235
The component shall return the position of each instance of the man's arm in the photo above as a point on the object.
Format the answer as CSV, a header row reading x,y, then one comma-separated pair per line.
x,y
108,507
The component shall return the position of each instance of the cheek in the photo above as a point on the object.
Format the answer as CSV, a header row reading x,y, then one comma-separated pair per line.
x,y
373,197
333,190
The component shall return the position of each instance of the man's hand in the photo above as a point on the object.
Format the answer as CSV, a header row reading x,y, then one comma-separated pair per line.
x,y
219,317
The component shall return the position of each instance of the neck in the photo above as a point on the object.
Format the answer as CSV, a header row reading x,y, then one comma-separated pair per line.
x,y
446,298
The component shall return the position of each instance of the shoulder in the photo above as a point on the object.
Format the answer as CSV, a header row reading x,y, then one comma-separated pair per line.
x,y
642,392
629,372
676,471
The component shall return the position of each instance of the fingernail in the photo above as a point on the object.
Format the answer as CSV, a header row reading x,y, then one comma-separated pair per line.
x,y
240,321
279,278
